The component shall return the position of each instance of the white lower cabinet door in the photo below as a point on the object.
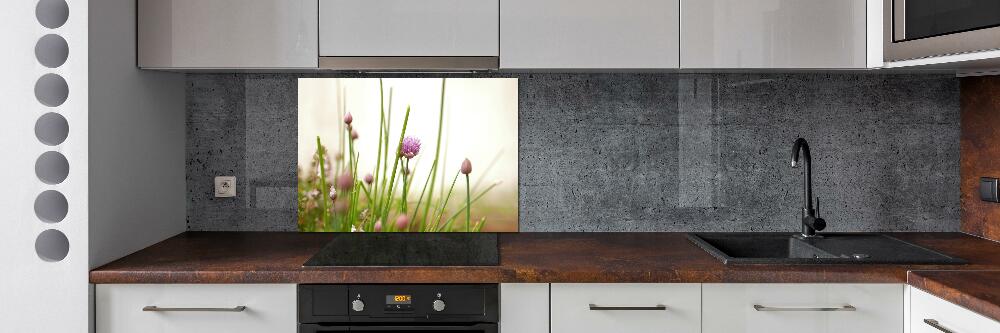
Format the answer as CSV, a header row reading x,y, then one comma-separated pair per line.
x,y
625,308
524,308
930,314
201,308
802,308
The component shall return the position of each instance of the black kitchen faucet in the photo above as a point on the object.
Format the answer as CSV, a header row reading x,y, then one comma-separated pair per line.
x,y
810,221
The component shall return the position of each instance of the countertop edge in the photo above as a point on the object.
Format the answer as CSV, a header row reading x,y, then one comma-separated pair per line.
x,y
941,283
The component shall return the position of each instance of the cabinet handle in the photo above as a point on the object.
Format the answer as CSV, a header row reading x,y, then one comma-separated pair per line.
x,y
657,307
848,307
154,308
935,324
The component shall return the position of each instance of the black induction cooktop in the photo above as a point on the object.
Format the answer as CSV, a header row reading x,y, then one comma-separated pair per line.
x,y
408,249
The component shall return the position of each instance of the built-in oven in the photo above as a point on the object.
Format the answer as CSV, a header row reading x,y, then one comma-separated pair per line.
x,y
916,29
385,308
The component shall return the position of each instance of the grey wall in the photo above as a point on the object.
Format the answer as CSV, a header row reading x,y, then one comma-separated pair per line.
x,y
640,152
136,140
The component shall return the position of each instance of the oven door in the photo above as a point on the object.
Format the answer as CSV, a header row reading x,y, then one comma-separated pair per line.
x,y
474,328
916,29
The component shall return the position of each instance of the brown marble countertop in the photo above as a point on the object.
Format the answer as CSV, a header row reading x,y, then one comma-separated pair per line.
x,y
974,290
277,257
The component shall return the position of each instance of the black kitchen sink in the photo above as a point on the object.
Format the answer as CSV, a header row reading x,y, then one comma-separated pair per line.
x,y
831,248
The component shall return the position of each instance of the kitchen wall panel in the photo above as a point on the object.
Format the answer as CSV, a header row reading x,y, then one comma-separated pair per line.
x,y
639,152
980,151
44,204
136,141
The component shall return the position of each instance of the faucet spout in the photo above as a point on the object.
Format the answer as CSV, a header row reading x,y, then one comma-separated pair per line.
x,y
810,222
801,145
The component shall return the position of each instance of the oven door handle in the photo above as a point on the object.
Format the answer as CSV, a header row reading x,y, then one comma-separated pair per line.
x,y
484,328
321,329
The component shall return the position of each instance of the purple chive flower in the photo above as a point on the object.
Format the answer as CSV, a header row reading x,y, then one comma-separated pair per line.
x,y
411,146
369,178
333,194
354,134
345,181
402,222
378,225
348,119
466,167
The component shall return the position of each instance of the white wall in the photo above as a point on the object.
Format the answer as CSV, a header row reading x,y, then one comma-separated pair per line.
x,y
126,135
38,295
137,186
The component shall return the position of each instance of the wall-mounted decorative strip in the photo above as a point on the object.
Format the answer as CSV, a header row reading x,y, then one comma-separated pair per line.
x,y
44,206
51,167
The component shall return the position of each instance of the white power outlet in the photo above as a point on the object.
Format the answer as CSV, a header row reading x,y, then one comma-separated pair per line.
x,y
225,187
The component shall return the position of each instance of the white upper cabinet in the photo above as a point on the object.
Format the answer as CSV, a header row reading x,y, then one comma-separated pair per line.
x,y
408,28
776,34
509,34
582,34
227,34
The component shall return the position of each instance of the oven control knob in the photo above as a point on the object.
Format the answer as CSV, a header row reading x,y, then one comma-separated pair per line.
x,y
438,305
358,305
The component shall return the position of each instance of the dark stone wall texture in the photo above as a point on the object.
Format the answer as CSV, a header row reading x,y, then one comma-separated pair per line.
x,y
639,152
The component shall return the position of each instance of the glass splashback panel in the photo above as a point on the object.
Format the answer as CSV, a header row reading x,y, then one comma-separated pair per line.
x,y
408,155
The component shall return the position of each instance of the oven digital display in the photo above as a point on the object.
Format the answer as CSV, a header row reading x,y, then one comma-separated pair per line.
x,y
398,299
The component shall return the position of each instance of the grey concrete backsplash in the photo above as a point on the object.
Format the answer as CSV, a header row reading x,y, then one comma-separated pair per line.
x,y
639,152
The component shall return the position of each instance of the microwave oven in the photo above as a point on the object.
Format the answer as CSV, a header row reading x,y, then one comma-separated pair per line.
x,y
915,29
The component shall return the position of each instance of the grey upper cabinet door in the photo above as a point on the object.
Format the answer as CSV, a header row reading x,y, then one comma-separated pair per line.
x,y
773,34
227,34
409,28
582,34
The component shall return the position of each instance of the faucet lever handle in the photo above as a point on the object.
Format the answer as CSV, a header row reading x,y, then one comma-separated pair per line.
x,y
817,206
